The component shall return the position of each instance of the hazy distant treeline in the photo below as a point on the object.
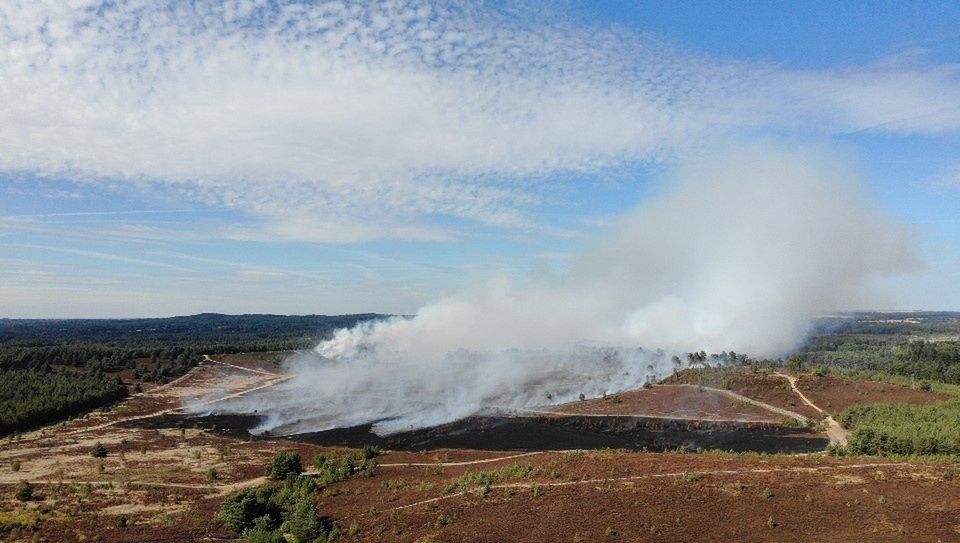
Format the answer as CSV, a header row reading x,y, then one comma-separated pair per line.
x,y
206,329
931,361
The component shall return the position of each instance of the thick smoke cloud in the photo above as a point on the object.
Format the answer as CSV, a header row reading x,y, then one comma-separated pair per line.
x,y
741,248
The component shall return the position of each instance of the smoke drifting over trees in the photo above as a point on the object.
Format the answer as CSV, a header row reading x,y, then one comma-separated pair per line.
x,y
741,248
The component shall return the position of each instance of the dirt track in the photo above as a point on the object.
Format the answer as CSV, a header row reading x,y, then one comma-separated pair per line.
x,y
838,436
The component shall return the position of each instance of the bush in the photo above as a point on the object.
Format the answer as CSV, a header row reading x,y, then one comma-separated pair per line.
x,y
284,465
23,520
340,468
24,491
473,479
370,451
98,451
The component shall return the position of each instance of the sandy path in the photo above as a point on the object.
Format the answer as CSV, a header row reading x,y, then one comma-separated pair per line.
x,y
739,397
206,358
465,463
835,432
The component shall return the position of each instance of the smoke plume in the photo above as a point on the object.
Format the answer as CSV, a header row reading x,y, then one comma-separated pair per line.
x,y
741,248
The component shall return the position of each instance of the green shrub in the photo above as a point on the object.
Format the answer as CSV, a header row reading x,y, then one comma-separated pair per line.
x,y
18,521
24,491
484,478
370,451
98,451
340,468
284,465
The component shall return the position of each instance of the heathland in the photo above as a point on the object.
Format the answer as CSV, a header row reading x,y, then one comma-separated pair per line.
x,y
101,450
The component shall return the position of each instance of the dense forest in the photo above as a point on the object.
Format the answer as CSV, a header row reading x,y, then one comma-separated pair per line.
x,y
918,359
918,345
33,398
52,369
903,429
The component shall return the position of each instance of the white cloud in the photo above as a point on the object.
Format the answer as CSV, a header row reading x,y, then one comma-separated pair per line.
x,y
345,123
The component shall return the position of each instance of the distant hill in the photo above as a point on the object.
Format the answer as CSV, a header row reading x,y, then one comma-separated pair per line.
x,y
904,323
202,329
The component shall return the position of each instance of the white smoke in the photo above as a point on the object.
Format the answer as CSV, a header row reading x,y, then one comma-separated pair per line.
x,y
742,247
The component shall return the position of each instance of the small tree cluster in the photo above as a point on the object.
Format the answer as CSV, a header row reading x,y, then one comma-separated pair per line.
x,y
277,514
284,465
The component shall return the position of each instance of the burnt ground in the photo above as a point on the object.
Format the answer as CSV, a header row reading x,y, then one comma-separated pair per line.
x,y
541,433
166,475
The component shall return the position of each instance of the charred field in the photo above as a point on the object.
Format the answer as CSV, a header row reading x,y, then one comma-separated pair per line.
x,y
538,433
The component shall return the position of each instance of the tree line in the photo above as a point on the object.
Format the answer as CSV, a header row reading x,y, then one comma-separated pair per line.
x,y
923,360
54,369
31,398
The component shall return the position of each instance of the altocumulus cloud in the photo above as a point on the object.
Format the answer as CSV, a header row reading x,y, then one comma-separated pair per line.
x,y
349,122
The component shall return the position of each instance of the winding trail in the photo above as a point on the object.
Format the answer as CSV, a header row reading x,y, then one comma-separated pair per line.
x,y
740,397
836,433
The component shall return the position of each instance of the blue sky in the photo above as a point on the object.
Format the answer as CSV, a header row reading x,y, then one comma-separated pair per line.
x,y
305,158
